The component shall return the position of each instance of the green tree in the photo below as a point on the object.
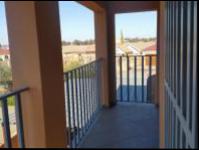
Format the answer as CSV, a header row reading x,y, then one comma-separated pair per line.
x,y
5,75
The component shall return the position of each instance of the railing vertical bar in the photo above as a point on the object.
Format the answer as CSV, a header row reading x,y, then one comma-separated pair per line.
x,y
86,94
73,109
121,84
84,97
150,82
19,120
77,104
92,88
135,78
81,105
98,85
89,93
143,79
128,87
6,124
69,108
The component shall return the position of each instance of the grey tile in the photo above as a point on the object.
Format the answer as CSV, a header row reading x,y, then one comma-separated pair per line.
x,y
125,126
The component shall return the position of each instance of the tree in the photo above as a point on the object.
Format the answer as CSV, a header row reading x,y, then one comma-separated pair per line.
x,y
5,75
121,37
65,43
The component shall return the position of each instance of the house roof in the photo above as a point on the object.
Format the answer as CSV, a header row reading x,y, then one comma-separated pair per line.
x,y
4,52
151,48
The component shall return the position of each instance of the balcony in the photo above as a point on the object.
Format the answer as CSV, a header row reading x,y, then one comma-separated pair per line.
x,y
89,124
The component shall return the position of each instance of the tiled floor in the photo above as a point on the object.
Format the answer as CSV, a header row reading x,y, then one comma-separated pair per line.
x,y
125,126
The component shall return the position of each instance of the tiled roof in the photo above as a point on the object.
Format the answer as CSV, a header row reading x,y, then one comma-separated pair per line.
x,y
152,47
4,52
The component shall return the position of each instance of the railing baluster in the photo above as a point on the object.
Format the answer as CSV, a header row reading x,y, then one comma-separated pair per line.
x,y
150,75
95,91
128,87
98,86
73,109
143,79
89,93
121,84
6,124
92,92
84,97
81,102
135,78
19,120
77,104
69,108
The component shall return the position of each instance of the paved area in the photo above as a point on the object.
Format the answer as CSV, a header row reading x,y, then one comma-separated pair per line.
x,y
127,125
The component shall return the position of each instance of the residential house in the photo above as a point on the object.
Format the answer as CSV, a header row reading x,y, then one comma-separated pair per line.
x,y
150,51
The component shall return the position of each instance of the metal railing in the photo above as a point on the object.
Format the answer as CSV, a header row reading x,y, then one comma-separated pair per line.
x,y
134,76
16,94
82,93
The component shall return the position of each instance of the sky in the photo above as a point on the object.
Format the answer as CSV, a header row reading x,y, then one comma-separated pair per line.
x,y
139,24
74,16
3,27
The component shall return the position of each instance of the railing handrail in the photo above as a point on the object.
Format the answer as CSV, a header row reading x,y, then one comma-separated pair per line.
x,y
97,60
151,55
14,92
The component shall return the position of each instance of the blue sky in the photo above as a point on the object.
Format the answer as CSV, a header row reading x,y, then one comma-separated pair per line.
x,y
74,16
3,27
139,24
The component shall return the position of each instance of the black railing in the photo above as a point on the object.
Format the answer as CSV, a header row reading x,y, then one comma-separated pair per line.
x,y
134,76
18,114
82,87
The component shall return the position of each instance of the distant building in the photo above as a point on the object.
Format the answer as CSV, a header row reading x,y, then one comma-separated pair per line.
x,y
150,51
5,56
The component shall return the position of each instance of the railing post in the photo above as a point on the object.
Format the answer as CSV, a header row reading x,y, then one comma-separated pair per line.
x,y
135,78
19,121
98,70
68,109
128,87
6,125
143,79
121,76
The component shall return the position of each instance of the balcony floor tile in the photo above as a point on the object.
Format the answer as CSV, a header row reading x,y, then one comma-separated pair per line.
x,y
125,126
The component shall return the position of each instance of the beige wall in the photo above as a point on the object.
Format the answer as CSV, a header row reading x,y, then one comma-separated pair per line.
x,y
35,45
161,70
